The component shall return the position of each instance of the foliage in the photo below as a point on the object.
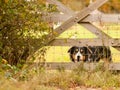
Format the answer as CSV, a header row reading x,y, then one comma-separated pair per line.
x,y
112,6
21,25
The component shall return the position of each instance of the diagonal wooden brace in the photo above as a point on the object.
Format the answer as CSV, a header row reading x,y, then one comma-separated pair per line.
x,y
77,17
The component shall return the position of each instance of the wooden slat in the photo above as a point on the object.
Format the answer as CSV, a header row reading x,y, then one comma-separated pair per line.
x,y
87,66
105,18
84,42
75,18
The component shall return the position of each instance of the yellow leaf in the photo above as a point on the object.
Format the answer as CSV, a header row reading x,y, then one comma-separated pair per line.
x,y
6,1
4,61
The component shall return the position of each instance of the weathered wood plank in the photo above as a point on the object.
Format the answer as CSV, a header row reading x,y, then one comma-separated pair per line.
x,y
87,66
84,42
75,18
105,18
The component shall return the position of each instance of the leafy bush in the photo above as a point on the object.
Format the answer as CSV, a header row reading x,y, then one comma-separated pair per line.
x,y
22,30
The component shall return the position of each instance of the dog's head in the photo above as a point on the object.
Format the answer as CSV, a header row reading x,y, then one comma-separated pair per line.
x,y
77,53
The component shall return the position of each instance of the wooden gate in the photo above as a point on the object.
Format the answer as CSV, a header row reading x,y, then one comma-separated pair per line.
x,y
85,18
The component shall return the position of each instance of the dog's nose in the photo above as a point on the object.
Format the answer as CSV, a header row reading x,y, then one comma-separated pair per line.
x,y
78,58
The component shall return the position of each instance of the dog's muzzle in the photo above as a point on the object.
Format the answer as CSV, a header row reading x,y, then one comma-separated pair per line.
x,y
78,58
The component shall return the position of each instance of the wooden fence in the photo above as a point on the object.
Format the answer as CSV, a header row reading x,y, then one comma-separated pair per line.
x,y
85,18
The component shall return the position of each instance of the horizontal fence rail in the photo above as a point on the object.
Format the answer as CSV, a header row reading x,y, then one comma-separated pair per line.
x,y
106,18
84,42
86,66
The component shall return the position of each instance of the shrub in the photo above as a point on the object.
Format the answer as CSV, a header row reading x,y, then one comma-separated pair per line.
x,y
22,30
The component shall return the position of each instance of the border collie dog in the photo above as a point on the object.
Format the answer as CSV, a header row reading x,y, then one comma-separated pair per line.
x,y
90,53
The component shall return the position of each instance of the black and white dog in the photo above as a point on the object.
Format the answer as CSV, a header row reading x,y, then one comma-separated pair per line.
x,y
90,53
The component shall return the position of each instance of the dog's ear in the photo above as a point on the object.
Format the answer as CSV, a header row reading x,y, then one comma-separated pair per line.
x,y
69,51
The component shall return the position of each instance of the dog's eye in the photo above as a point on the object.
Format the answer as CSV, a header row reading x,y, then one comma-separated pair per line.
x,y
81,50
76,50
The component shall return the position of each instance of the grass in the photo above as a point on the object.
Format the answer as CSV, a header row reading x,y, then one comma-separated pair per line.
x,y
59,53
64,80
